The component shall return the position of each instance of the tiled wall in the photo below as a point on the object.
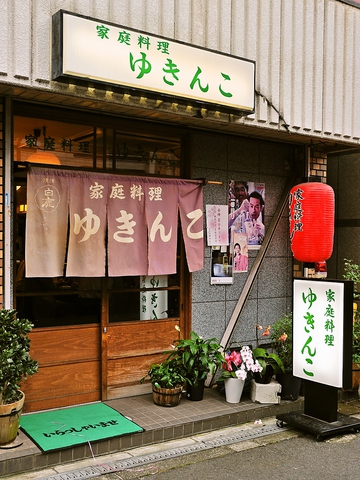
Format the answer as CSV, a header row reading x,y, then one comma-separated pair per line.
x,y
223,158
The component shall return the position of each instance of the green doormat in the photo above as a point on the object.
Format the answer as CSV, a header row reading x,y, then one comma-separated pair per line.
x,y
66,427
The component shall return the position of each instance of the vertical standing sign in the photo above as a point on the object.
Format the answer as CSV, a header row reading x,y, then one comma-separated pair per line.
x,y
322,319
322,354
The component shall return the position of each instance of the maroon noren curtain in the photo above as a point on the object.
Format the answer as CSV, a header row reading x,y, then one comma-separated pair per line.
x,y
139,215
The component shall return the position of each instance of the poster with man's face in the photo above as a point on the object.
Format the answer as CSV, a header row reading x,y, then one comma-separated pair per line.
x,y
246,211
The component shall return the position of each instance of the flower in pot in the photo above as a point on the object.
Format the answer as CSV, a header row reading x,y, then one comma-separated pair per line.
x,y
167,379
15,365
281,337
270,362
238,365
199,357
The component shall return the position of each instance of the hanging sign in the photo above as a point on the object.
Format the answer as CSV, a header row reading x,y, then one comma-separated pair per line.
x,y
312,232
97,51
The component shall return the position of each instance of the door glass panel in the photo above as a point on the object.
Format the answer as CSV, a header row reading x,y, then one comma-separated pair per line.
x,y
144,298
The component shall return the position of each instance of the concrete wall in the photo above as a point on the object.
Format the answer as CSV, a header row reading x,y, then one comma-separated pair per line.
x,y
222,158
306,52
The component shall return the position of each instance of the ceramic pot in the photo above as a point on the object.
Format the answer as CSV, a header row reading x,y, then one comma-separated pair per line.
x,y
233,389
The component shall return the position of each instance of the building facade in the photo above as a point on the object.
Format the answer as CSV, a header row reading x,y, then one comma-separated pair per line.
x,y
94,335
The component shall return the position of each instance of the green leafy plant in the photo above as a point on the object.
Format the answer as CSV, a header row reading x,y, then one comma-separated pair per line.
x,y
199,356
281,339
352,272
265,358
356,343
15,361
168,374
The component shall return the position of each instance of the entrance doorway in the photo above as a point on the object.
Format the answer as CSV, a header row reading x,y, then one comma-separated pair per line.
x,y
94,338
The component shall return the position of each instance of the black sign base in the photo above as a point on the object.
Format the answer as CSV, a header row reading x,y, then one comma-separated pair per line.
x,y
320,428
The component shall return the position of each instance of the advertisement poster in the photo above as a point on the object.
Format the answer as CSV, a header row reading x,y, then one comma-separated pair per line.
x,y
246,208
217,225
239,260
221,268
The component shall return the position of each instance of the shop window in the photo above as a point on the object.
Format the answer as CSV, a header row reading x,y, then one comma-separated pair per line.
x,y
60,144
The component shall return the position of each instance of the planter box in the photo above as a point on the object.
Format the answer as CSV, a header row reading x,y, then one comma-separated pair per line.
x,y
355,376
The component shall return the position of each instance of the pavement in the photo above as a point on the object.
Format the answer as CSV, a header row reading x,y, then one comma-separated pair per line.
x,y
249,451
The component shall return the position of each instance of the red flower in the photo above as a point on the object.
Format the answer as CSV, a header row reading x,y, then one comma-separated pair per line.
x,y
266,333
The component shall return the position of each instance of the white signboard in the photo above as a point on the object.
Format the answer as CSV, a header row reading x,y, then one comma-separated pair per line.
x,y
94,50
318,336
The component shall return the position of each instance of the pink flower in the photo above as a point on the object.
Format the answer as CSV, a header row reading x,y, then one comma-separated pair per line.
x,y
283,337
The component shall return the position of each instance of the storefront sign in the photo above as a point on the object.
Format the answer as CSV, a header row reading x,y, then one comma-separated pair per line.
x,y
93,50
129,222
322,336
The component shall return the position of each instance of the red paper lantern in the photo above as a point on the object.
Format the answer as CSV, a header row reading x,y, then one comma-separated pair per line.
x,y
312,209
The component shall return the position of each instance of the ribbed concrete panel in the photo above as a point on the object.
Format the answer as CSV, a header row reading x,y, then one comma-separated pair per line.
x,y
307,52
4,36
21,38
41,42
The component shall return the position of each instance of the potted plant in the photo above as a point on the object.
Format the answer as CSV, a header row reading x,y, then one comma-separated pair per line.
x,y
199,357
15,365
238,365
352,272
270,362
281,338
167,379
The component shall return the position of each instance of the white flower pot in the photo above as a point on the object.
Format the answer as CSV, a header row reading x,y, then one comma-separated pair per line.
x,y
233,389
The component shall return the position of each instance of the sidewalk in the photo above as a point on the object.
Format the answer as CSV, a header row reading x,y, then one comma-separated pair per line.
x,y
161,424
148,460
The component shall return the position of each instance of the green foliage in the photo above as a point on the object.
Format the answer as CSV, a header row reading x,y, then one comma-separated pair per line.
x,y
15,361
265,358
356,343
198,356
352,272
169,374
281,337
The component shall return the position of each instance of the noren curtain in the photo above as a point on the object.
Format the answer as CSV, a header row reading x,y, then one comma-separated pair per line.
x,y
93,221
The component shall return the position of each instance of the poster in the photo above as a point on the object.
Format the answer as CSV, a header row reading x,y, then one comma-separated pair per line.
x,y
217,225
246,209
239,257
221,268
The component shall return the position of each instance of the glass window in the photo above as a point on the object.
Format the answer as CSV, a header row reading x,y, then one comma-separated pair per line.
x,y
61,144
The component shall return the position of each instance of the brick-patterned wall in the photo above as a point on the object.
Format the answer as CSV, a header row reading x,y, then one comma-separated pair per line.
x,y
318,165
318,168
2,146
